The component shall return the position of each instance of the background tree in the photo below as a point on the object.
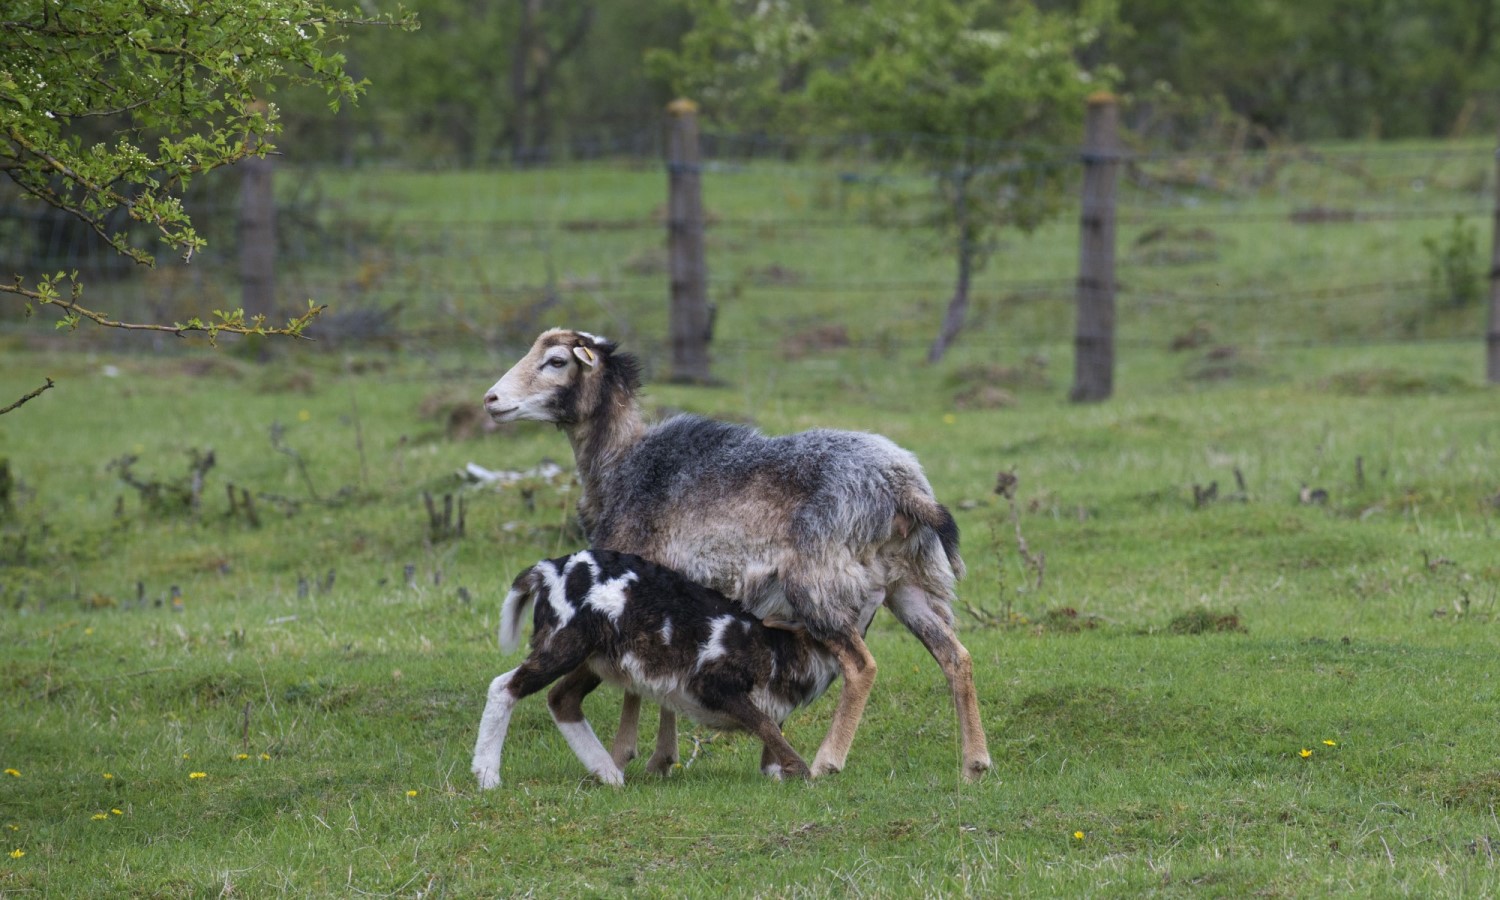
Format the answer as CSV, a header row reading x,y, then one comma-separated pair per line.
x,y
973,94
1310,71
487,82
109,109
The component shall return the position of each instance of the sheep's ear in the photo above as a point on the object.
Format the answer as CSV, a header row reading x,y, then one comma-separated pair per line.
x,y
589,357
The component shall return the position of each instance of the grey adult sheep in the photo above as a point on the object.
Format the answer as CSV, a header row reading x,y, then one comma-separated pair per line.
x,y
813,530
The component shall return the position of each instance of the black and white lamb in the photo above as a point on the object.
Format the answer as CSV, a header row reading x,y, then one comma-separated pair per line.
x,y
613,617
814,530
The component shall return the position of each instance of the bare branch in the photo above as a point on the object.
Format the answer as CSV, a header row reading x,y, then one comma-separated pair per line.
x,y
31,396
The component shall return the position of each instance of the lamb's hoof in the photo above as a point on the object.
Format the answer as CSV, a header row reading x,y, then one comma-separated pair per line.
x,y
622,756
611,777
488,778
661,764
823,767
797,769
974,769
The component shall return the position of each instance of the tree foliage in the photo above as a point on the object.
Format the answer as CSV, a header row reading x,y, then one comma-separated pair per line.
x,y
974,95
114,106
1343,68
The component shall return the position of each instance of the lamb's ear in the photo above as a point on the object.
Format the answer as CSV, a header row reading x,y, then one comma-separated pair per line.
x,y
589,357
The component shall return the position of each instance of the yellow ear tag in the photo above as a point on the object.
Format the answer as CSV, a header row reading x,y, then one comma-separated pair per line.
x,y
584,354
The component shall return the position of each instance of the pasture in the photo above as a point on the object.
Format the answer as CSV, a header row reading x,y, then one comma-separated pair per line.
x,y
1283,685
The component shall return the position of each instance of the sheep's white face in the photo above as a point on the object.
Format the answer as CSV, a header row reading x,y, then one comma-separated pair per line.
x,y
529,391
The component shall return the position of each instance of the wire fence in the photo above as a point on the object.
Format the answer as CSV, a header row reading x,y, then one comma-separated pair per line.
x,y
1265,248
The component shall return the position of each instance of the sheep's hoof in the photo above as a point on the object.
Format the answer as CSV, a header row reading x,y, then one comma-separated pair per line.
x,y
797,769
488,778
622,755
661,764
974,769
611,777
823,767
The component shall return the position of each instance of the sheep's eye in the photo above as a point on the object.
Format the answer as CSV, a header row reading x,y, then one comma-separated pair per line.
x,y
557,362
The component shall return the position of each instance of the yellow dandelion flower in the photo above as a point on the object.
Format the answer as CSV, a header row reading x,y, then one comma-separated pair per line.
x,y
1077,835
118,812
88,631
197,774
13,773
265,756
1304,753
243,756
1331,743
304,416
13,827
949,419
100,817
411,793
17,853
108,777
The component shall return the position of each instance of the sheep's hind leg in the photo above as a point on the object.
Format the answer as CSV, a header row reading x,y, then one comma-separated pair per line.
x,y
930,620
623,750
566,703
492,728
534,673
858,668
665,756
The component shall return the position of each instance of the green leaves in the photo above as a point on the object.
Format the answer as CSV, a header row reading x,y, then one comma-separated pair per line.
x,y
182,79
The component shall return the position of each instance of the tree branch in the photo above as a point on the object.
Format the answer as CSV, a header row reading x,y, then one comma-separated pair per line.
x,y
31,396
227,322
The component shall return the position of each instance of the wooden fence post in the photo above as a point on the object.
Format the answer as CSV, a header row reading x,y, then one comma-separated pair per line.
x,y
1492,336
257,235
1094,340
691,322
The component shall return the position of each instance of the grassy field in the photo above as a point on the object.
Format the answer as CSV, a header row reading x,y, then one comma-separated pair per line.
x,y
1248,648
1249,695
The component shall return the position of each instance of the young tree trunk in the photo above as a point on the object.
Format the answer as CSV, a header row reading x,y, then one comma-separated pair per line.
x,y
958,305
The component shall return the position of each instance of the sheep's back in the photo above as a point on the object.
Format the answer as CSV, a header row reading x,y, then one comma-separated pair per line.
x,y
733,508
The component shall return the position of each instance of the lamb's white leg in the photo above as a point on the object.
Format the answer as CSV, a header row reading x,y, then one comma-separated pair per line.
x,y
492,727
580,736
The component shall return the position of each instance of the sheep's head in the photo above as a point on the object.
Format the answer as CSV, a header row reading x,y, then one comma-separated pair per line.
x,y
565,378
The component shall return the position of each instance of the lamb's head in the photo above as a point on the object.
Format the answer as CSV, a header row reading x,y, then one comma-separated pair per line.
x,y
565,378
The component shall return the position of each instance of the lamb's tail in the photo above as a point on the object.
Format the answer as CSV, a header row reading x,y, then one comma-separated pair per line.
x,y
522,594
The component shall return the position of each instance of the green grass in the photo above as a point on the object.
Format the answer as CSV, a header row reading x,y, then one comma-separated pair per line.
x,y
1152,690
1369,621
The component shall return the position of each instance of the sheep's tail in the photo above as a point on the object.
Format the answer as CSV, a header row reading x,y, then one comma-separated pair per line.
x,y
513,610
927,511
947,532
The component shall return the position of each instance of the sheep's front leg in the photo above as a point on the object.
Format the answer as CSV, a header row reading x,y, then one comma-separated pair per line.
x,y
623,749
566,702
858,668
777,758
779,761
492,727
665,756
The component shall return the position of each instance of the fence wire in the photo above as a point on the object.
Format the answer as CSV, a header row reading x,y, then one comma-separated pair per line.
x,y
1292,247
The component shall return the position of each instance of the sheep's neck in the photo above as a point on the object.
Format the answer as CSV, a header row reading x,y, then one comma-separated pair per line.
x,y
598,444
